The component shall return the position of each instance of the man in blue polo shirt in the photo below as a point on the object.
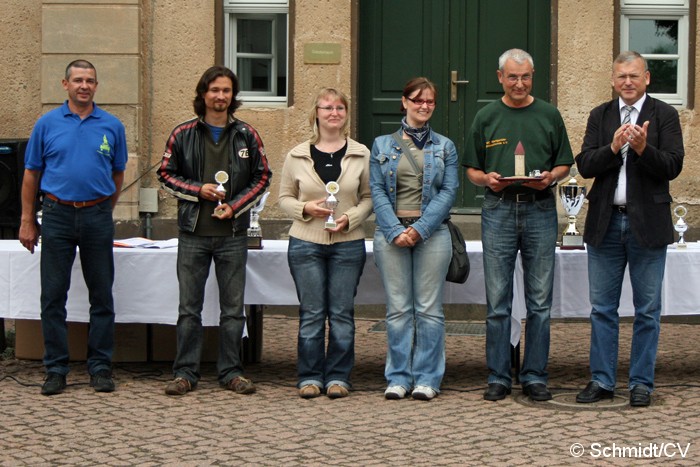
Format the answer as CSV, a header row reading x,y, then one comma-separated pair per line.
x,y
76,156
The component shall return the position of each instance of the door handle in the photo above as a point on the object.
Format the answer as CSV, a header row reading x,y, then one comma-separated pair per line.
x,y
453,85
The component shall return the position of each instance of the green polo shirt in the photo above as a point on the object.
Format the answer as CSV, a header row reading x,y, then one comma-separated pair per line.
x,y
497,129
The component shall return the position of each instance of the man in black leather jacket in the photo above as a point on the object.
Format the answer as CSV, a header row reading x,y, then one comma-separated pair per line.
x,y
216,166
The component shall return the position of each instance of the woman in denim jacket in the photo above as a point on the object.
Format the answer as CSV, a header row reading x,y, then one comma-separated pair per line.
x,y
412,245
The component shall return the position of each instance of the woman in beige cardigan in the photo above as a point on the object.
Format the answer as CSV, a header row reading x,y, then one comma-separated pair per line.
x,y
326,260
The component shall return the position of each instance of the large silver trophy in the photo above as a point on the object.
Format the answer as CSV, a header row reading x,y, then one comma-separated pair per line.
x,y
572,196
254,231
680,226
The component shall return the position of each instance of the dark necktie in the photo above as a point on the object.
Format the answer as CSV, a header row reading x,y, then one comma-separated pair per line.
x,y
626,120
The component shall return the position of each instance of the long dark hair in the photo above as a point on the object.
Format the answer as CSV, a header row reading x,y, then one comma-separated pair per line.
x,y
210,75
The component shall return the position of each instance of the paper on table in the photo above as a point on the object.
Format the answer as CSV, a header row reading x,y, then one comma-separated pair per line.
x,y
171,243
132,242
141,242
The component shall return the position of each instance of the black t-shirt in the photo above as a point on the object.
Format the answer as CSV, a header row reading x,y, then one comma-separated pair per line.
x,y
327,165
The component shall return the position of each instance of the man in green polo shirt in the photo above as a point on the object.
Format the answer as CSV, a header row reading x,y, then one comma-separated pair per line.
x,y
518,215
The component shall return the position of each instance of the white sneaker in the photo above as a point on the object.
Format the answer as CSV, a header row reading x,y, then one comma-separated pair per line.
x,y
395,392
423,393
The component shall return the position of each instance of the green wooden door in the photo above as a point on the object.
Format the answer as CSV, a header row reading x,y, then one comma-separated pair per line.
x,y
442,40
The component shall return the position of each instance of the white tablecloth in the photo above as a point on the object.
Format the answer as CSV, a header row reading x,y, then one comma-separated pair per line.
x,y
146,289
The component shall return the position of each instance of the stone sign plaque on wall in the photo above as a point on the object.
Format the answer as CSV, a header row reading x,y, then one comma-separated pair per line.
x,y
322,52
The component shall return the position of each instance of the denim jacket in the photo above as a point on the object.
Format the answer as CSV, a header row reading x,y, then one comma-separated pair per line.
x,y
440,182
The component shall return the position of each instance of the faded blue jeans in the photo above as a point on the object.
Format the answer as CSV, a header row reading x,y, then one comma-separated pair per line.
x,y
531,228
414,279
606,270
63,229
326,279
194,256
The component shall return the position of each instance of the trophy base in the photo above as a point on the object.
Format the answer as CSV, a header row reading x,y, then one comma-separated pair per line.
x,y
330,225
572,242
681,246
255,243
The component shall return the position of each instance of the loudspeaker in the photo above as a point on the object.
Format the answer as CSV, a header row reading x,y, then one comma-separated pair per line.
x,y
11,171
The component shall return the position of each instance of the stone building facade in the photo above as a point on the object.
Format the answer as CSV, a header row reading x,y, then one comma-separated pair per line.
x,y
150,53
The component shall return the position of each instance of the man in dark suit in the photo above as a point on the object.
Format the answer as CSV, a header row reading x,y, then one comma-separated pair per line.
x,y
633,146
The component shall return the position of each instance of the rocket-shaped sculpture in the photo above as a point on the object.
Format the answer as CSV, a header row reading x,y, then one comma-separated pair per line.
x,y
519,160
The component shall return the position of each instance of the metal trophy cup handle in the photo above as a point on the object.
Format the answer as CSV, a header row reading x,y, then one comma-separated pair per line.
x,y
255,231
680,226
221,177
572,196
331,203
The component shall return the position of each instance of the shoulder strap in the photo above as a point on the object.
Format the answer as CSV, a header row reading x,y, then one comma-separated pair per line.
x,y
404,148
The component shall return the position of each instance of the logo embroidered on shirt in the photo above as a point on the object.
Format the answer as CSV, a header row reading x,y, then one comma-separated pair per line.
x,y
105,148
496,142
243,153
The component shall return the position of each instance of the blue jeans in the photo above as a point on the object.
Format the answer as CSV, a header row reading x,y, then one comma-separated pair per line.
x,y
194,256
326,278
414,279
63,229
507,227
606,269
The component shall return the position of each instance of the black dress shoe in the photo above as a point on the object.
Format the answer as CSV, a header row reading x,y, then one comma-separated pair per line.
x,y
640,397
102,381
54,384
537,392
496,392
593,393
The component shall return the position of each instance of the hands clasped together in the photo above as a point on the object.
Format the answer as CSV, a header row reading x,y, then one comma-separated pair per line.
x,y
407,238
635,135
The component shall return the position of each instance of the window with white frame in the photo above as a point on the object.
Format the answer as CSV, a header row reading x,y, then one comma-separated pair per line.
x,y
256,48
658,29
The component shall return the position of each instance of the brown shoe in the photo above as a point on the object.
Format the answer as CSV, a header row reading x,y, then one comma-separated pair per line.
x,y
240,385
178,387
309,391
336,391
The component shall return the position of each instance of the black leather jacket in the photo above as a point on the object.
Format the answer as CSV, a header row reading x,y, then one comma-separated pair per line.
x,y
181,170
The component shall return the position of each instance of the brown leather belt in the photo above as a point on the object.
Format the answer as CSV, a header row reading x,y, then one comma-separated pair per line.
x,y
524,197
77,204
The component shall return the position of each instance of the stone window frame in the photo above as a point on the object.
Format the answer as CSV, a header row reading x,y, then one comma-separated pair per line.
x,y
230,11
668,10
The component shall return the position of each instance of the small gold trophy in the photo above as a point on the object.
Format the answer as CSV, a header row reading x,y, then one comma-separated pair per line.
x,y
221,177
332,189
680,226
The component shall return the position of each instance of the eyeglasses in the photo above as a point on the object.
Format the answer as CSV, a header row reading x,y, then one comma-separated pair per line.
x,y
514,78
623,78
330,108
420,102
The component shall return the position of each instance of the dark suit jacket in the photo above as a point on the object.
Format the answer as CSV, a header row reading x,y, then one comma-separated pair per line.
x,y
648,175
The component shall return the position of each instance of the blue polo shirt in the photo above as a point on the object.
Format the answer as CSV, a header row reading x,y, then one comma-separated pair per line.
x,y
77,157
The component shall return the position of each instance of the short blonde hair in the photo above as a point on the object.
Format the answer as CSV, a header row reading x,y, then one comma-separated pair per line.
x,y
313,115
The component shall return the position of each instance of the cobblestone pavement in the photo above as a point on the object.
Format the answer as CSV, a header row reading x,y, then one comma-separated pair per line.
x,y
139,425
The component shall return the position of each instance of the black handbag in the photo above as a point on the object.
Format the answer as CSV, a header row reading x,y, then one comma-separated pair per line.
x,y
459,264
